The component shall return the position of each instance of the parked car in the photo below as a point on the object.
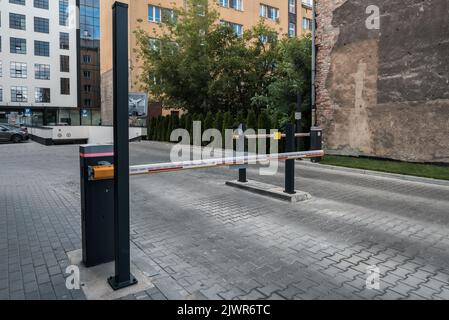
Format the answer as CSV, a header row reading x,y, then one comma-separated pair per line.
x,y
13,133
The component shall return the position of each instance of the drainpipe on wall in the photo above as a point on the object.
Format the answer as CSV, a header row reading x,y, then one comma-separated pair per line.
x,y
313,94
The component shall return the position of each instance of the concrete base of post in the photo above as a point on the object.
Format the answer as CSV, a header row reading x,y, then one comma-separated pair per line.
x,y
93,281
269,190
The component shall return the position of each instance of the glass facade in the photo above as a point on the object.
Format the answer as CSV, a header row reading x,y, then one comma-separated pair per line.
x,y
90,57
90,19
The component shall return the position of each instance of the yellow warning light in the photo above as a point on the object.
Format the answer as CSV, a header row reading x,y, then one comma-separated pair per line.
x,y
103,172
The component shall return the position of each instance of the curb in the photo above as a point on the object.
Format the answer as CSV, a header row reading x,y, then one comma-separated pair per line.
x,y
436,182
269,190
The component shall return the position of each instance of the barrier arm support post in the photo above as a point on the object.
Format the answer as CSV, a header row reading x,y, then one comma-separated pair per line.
x,y
241,144
298,119
316,141
290,164
123,277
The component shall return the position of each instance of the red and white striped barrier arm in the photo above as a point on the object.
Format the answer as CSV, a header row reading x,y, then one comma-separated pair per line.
x,y
217,162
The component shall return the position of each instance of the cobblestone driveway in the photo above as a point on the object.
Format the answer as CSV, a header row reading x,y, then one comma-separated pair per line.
x,y
199,239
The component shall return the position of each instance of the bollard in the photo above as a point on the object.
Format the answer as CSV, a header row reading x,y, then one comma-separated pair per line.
x,y
241,145
97,207
290,164
316,136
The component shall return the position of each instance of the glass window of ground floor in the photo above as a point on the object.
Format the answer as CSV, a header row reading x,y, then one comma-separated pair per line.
x,y
51,117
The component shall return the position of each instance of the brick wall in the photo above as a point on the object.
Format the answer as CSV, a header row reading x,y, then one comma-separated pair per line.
x,y
384,92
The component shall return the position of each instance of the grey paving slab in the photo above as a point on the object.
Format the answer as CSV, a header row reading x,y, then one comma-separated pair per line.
x,y
195,238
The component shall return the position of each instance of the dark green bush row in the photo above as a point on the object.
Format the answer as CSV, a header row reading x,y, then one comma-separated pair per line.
x,y
160,128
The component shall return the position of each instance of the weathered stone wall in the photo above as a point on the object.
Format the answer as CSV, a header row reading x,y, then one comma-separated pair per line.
x,y
107,99
385,92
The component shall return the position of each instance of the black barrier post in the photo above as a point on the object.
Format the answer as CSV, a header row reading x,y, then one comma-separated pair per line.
x,y
97,207
298,118
290,164
123,277
241,143
316,142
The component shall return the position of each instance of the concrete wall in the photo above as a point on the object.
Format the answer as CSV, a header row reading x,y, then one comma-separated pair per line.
x,y
93,134
385,92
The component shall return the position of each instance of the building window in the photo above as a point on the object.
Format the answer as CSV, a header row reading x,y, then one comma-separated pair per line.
x,y
64,12
238,28
21,2
87,103
291,29
87,88
42,95
19,94
65,86
64,63
224,3
64,41
87,59
292,6
41,25
17,21
234,4
42,71
269,12
1,93
18,70
154,14
18,45
307,24
154,44
86,74
41,48
41,4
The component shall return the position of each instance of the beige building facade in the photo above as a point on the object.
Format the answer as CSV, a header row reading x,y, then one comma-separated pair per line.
x,y
287,17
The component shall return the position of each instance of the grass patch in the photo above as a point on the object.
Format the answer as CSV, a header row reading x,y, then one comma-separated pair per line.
x,y
406,168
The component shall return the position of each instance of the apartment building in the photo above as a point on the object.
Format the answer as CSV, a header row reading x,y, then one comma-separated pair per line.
x,y
38,61
287,17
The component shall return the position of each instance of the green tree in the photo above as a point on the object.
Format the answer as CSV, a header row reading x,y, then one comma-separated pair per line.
x,y
275,121
263,121
150,128
164,129
182,121
201,65
169,127
240,118
159,128
292,78
227,122
188,123
218,122
208,121
251,122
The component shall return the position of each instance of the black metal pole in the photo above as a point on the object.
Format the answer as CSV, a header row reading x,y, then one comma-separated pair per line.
x,y
241,145
290,164
298,118
123,277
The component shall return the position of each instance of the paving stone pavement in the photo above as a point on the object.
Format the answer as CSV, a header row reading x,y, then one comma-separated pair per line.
x,y
199,239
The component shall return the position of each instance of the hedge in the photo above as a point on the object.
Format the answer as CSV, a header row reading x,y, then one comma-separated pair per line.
x,y
160,128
